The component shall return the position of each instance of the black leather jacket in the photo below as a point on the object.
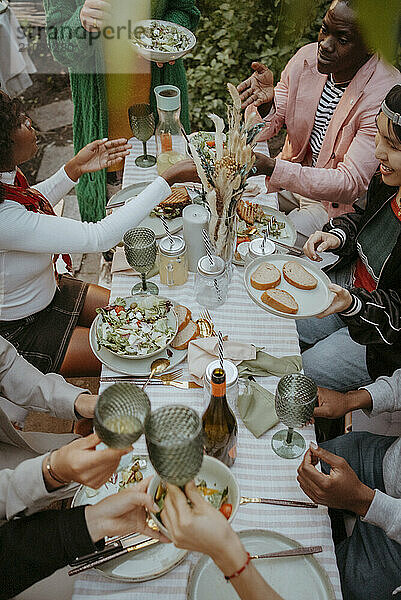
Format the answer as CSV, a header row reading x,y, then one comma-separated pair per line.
x,y
377,324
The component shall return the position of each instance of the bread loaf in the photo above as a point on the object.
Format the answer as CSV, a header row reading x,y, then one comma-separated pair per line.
x,y
183,337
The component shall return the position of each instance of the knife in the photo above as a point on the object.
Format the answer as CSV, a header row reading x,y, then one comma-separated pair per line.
x,y
294,249
184,385
104,558
297,503
302,550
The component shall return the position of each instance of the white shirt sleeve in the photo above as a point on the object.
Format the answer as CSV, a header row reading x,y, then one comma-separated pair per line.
x,y
26,231
385,512
55,187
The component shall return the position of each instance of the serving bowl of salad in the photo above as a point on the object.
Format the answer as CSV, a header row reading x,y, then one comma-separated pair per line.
x,y
162,41
137,326
214,481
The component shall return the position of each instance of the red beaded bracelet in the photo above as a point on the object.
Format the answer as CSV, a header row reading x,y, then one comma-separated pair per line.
x,y
228,577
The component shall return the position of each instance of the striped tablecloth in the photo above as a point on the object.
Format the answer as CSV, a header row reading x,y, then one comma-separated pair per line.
x,y
258,470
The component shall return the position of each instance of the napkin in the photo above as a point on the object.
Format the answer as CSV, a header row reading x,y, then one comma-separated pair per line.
x,y
265,364
120,265
203,351
256,407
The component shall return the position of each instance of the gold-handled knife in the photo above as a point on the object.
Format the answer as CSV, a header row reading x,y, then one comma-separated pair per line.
x,y
294,503
111,556
301,551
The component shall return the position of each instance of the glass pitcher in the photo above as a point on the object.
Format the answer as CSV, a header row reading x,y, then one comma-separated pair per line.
x,y
170,142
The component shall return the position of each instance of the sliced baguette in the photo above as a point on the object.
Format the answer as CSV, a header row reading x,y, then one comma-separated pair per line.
x,y
183,337
298,276
280,300
265,277
183,316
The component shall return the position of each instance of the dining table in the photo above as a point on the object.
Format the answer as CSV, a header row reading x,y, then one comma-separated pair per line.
x,y
258,470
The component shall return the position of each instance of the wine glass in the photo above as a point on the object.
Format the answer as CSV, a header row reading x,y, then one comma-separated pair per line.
x,y
175,443
120,414
296,398
142,123
140,251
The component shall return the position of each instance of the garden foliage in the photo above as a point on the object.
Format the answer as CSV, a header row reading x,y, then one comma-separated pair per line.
x,y
233,33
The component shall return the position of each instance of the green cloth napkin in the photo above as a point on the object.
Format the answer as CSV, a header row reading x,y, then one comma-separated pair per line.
x,y
256,407
265,364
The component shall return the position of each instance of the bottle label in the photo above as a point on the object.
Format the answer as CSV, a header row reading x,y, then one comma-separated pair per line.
x,y
166,142
218,389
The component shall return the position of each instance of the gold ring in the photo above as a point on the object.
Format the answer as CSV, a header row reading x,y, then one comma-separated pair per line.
x,y
95,23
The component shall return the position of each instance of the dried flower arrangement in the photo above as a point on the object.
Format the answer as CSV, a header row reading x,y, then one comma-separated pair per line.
x,y
224,175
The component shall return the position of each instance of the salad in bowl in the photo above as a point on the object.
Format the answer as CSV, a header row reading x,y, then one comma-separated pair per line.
x,y
136,327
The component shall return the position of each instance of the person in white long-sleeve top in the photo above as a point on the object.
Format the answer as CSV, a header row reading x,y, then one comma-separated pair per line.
x,y
361,475
49,323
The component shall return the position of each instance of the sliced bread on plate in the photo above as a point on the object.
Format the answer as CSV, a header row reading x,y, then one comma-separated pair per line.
x,y
280,300
183,337
183,316
298,276
266,276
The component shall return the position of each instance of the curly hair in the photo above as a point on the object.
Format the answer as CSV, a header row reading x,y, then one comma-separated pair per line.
x,y
10,112
393,101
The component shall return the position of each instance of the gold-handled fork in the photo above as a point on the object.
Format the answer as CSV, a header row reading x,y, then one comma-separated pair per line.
x,y
206,325
131,378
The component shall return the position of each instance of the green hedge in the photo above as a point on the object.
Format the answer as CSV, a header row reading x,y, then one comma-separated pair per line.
x,y
230,36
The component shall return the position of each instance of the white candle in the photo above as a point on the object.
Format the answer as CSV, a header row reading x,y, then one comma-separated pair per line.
x,y
195,218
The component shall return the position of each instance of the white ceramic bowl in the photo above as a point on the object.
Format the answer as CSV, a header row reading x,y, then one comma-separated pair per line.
x,y
158,55
216,475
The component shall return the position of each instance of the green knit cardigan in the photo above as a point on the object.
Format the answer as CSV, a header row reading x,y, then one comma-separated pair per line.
x,y
69,45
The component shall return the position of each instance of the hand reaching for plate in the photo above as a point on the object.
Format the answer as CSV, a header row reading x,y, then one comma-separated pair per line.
x,y
320,241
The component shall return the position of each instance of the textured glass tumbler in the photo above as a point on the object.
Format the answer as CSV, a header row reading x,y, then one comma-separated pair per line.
x,y
296,398
140,251
174,440
120,414
142,123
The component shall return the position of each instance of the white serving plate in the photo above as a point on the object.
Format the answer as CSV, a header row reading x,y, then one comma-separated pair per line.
x,y
294,578
158,55
153,223
143,565
310,302
290,231
171,317
127,366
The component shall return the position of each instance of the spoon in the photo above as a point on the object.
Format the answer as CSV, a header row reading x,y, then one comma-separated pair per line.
x,y
158,366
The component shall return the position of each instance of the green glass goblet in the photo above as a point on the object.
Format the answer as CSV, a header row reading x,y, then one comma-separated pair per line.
x,y
296,398
140,251
142,123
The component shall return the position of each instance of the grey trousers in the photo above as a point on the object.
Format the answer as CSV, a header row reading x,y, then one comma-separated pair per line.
x,y
369,562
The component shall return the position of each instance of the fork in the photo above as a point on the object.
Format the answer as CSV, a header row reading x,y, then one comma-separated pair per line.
x,y
206,325
165,377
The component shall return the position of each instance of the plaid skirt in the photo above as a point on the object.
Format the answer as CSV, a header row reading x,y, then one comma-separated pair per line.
x,y
43,338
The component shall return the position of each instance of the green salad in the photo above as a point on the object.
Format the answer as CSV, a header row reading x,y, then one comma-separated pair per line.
x,y
163,38
136,327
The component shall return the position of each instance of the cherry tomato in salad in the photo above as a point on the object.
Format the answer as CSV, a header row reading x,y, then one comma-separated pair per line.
x,y
226,509
118,309
211,144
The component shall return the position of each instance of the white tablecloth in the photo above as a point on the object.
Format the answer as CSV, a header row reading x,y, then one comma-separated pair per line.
x,y
258,470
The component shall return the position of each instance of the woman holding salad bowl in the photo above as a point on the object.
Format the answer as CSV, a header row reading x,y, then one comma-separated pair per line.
x,y
358,338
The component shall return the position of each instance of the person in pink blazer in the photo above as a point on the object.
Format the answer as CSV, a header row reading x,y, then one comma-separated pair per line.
x,y
327,98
